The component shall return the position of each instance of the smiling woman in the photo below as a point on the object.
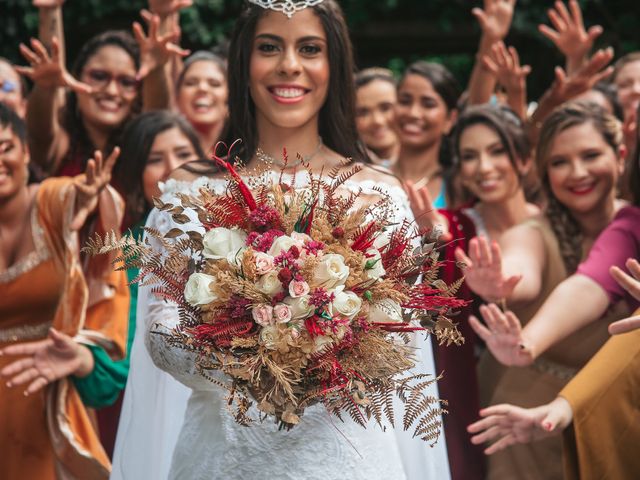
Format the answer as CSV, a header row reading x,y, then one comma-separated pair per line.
x,y
292,83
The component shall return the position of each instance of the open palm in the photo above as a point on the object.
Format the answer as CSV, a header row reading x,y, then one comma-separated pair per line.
x,y
45,361
483,270
503,336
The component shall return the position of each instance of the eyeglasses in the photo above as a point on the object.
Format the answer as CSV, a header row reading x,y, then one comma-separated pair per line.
x,y
7,86
101,78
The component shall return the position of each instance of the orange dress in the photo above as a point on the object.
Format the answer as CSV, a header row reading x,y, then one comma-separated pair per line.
x,y
49,435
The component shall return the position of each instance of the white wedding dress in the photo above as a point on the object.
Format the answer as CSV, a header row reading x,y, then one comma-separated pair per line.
x,y
211,445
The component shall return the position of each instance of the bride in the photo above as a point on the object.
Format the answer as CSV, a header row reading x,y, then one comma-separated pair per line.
x,y
291,85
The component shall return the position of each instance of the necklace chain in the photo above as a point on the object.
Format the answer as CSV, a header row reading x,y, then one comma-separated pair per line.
x,y
265,157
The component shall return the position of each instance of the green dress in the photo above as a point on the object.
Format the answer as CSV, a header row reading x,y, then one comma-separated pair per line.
x,y
102,386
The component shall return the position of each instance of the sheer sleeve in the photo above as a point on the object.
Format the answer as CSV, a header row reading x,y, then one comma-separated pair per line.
x,y
160,317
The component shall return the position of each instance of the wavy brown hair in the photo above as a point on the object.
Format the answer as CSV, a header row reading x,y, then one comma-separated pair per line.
x,y
564,225
337,122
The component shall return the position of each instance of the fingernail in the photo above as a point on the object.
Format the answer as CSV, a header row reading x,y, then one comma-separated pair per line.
x,y
25,393
548,426
9,384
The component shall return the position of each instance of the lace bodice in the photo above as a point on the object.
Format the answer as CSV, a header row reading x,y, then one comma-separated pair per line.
x,y
211,445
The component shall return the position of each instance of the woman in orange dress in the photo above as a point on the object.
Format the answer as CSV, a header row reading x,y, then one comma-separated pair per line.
x,y
49,311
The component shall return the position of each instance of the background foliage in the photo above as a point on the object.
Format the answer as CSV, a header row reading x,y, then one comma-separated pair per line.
x,y
385,32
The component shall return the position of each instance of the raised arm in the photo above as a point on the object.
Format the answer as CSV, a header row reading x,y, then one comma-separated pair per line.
x,y
427,217
570,36
508,272
505,64
565,87
156,50
573,304
47,139
495,22
50,24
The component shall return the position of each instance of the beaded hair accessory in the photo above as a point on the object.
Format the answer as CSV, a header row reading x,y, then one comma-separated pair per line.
x,y
288,7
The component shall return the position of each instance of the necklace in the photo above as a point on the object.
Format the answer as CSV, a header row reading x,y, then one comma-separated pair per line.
x,y
265,157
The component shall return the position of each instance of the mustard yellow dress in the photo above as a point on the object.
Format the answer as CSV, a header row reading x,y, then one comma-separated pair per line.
x,y
541,382
49,435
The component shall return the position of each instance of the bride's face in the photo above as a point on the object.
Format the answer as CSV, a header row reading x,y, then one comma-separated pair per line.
x,y
289,69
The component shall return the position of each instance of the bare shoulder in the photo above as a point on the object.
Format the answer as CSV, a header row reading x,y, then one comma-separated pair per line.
x,y
194,170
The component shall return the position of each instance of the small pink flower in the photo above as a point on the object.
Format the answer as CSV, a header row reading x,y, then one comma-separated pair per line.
x,y
298,288
264,263
263,314
282,313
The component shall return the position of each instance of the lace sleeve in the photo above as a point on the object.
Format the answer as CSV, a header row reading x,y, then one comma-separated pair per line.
x,y
160,317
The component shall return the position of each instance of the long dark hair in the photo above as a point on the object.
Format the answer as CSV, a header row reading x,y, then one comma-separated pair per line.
x,y
337,116
510,130
137,140
72,119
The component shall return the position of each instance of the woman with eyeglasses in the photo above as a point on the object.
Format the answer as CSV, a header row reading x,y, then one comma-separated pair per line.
x,y
71,114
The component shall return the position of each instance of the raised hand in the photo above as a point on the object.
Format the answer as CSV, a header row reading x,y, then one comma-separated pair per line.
x,y
155,49
632,285
507,425
164,8
503,336
566,87
48,71
483,271
495,18
570,36
427,217
46,361
88,186
504,63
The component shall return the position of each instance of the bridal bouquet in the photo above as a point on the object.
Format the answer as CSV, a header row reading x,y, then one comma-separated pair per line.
x,y
299,296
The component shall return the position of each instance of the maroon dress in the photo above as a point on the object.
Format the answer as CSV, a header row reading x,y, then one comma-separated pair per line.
x,y
460,383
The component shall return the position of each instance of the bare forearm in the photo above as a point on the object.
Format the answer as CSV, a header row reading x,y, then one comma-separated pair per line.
x,y
86,362
482,82
572,305
517,100
49,26
156,90
42,124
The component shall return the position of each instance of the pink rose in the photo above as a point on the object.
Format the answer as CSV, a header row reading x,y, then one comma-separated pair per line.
x,y
264,263
298,288
282,313
263,314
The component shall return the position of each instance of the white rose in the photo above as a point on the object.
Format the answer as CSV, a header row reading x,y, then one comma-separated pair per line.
x,y
264,263
374,261
385,311
269,283
220,242
331,271
346,303
235,257
269,336
197,290
282,244
321,342
300,307
301,238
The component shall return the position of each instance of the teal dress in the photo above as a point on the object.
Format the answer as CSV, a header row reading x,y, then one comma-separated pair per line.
x,y
103,385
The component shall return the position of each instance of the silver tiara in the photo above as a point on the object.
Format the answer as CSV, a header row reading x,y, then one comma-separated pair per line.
x,y
288,7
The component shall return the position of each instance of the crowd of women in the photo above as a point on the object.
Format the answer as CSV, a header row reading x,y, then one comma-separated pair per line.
x,y
536,205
